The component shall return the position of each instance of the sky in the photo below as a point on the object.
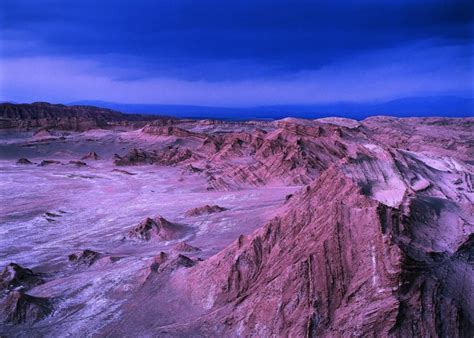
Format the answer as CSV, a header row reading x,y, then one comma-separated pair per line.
x,y
234,53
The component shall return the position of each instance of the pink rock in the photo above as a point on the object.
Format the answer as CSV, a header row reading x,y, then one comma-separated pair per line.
x,y
157,228
206,209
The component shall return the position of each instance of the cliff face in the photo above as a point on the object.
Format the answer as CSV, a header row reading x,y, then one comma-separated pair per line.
x,y
306,272
342,260
57,116
379,243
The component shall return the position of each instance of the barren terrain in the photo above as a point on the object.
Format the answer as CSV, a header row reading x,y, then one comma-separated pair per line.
x,y
113,225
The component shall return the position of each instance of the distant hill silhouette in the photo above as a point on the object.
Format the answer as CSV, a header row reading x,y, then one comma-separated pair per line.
x,y
448,106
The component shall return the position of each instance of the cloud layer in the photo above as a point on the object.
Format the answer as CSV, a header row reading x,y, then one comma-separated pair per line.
x,y
234,53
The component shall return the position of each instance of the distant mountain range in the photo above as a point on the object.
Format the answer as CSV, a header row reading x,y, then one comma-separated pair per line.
x,y
448,106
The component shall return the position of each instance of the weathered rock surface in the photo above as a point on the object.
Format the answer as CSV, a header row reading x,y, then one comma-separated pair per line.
x,y
57,116
167,263
43,133
157,228
78,163
192,169
439,136
185,247
24,161
85,257
205,209
136,157
45,163
20,308
91,156
378,241
176,155
168,131
169,156
340,121
342,261
15,276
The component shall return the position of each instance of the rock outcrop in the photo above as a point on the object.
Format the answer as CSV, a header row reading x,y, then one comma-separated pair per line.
x,y
166,263
169,131
42,134
157,228
339,263
136,157
57,116
78,163
90,156
340,121
176,155
438,136
24,161
205,209
185,247
85,257
15,276
20,308
169,156
45,163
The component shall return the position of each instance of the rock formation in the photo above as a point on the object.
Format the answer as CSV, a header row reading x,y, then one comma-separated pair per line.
x,y
15,276
85,257
78,163
168,131
168,157
185,247
157,228
441,136
205,209
368,228
343,260
43,133
136,157
91,156
176,155
165,263
56,116
19,308
44,163
24,161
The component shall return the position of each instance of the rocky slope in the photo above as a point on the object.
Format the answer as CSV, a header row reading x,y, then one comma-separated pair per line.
x,y
378,243
18,307
157,228
374,238
57,116
340,261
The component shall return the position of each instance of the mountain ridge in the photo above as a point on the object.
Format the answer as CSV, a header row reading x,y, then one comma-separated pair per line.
x,y
443,106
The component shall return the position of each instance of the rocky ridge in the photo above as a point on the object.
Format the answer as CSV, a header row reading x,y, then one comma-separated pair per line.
x,y
341,261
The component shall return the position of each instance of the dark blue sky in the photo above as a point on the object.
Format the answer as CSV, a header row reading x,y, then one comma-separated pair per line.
x,y
234,53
